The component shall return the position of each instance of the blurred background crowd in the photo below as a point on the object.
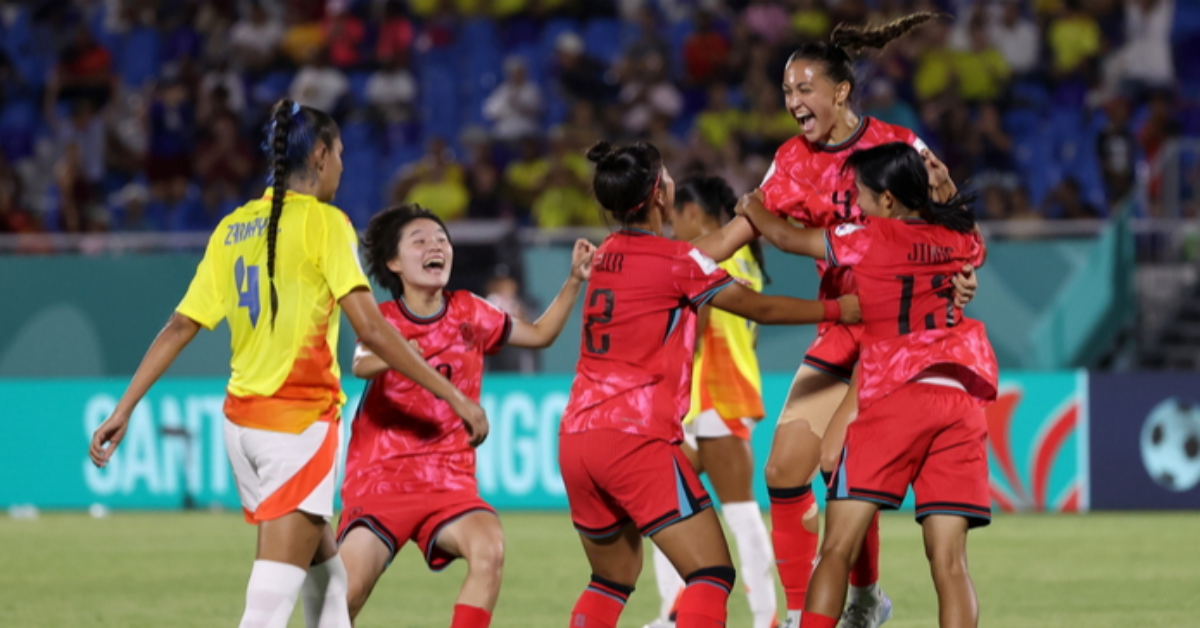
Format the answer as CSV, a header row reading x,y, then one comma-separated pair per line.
x,y
146,115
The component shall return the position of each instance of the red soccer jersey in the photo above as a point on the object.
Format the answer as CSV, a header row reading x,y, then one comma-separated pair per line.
x,y
406,440
806,183
903,269
635,361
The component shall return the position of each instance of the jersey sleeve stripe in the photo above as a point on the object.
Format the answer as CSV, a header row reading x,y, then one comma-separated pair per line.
x,y
507,333
830,258
704,297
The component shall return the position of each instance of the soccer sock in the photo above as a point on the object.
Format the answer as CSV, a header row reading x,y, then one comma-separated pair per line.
x,y
670,585
324,595
795,546
271,594
705,598
470,617
865,572
814,620
601,604
754,549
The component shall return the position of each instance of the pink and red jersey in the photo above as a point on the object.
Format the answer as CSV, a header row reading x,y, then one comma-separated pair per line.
x,y
903,270
635,366
806,184
406,440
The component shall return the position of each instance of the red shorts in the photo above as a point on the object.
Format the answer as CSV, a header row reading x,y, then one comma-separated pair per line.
x,y
932,437
613,477
835,350
419,517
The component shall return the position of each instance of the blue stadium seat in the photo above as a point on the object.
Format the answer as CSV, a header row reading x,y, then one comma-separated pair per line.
x,y
138,59
19,120
358,87
603,39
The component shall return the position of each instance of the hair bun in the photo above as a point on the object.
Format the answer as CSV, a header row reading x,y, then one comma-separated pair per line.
x,y
600,151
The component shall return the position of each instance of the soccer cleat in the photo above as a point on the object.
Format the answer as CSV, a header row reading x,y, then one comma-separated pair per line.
x,y
660,623
865,614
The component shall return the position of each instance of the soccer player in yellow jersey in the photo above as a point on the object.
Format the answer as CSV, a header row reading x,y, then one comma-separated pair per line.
x,y
726,404
280,270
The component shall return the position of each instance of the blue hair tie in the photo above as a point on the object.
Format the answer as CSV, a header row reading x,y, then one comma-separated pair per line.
x,y
295,109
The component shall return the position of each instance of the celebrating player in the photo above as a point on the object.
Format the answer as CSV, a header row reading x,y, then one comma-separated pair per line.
x,y
726,403
808,184
923,375
624,471
410,469
284,399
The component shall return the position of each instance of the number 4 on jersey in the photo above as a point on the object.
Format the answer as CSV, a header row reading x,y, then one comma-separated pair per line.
x,y
846,200
247,287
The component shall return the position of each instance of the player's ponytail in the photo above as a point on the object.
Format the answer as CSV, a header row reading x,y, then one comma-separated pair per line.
x,y
837,56
381,242
291,136
714,196
627,178
898,168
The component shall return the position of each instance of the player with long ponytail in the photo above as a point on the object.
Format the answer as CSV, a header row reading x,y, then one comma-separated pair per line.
x,y
283,402
806,183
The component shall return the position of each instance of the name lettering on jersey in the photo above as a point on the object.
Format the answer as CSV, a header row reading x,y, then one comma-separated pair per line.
x,y
930,254
241,231
608,263
706,264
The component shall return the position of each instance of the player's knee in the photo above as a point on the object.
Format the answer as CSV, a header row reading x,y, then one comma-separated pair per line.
x,y
487,556
946,561
356,597
837,548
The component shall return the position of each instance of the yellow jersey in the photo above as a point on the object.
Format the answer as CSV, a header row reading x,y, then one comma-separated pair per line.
x,y
725,374
286,377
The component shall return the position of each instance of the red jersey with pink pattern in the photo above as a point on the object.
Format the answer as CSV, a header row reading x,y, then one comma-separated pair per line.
x,y
903,269
639,333
806,183
403,438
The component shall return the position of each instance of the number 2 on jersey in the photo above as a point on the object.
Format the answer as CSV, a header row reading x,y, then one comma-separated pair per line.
x,y
603,317
941,287
247,287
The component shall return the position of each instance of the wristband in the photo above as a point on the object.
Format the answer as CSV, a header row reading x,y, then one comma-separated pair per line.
x,y
833,310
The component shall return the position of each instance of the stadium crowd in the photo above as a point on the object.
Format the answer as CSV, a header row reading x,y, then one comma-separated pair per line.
x,y
133,115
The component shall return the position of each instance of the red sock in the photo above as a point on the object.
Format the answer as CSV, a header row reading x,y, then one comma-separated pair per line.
x,y
600,605
866,569
703,604
470,617
814,620
795,546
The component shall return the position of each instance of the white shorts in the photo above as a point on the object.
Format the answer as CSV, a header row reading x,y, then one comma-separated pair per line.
x,y
709,424
278,473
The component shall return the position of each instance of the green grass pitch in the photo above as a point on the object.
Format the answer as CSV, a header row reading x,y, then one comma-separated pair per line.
x,y
134,570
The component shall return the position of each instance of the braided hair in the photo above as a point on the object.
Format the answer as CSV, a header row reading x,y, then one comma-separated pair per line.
x,y
292,134
846,42
717,200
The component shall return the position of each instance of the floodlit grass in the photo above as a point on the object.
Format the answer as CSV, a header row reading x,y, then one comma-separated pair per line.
x,y
132,570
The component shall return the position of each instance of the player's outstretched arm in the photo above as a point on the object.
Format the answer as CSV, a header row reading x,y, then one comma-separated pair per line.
x,y
779,232
778,310
721,244
385,341
176,335
367,365
543,332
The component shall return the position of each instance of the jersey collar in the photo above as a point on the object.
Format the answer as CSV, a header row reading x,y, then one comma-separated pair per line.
x,y
425,320
863,123
270,194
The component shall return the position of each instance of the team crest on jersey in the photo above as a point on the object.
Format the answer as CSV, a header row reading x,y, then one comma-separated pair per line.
x,y
845,229
468,335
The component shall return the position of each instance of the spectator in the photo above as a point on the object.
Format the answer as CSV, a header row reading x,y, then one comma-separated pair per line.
x,y
180,42
718,124
1160,126
1016,37
515,106
768,20
580,76
130,209
84,72
881,103
993,204
483,177
224,162
563,199
980,71
582,129
126,137
436,183
504,292
1146,59
13,219
935,65
304,39
1074,40
1066,202
705,52
392,92
810,19
395,33
648,41
648,93
256,40
344,35
85,130
222,77
768,125
172,124
320,86
672,150
995,163
75,195
1116,148
524,174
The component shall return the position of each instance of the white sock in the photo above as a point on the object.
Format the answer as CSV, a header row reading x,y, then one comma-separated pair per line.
x,y
271,594
756,559
669,583
867,596
324,595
